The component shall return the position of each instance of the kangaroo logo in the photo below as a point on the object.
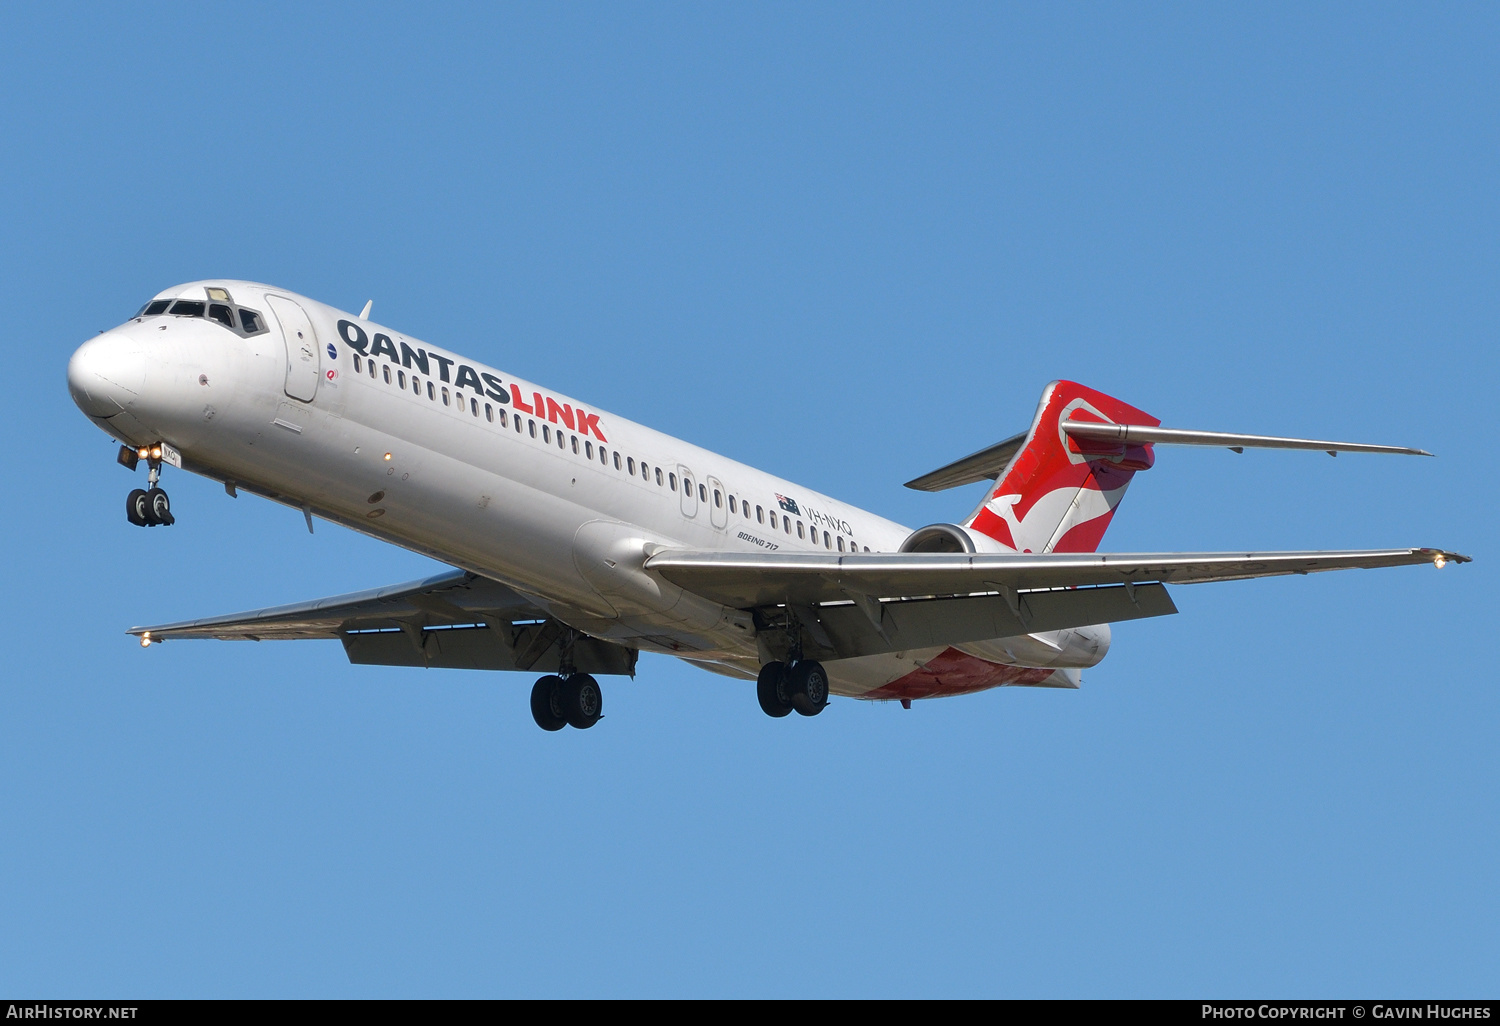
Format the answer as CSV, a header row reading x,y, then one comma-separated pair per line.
x,y
1051,516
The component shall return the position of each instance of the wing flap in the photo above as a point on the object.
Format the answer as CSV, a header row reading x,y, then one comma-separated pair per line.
x,y
848,630
484,648
748,580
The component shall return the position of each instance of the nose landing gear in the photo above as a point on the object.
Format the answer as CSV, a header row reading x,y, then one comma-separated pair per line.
x,y
147,507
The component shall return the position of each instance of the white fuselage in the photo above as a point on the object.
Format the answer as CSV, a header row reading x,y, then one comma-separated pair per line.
x,y
438,453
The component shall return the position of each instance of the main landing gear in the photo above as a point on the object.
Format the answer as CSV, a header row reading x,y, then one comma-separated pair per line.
x,y
801,685
571,701
146,507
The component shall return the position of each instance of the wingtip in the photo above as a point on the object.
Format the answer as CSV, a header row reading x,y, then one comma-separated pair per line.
x,y
1442,557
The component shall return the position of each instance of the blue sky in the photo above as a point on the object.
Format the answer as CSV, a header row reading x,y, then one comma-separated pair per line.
x,y
847,244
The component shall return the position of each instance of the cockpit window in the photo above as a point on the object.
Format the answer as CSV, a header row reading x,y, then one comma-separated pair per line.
x,y
188,308
250,321
222,314
157,306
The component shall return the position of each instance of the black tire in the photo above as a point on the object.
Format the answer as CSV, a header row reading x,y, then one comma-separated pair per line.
x,y
808,683
158,507
582,701
135,507
546,703
771,688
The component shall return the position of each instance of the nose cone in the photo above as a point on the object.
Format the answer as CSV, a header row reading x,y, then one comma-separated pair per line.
x,y
106,374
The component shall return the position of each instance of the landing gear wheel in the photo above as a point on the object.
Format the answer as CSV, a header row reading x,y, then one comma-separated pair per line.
x,y
158,508
808,683
771,688
546,703
135,507
582,701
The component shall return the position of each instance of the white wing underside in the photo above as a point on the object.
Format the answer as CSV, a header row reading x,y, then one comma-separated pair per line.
x,y
747,580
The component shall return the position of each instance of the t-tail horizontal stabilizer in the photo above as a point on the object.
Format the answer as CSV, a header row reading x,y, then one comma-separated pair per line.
x,y
1091,438
1108,441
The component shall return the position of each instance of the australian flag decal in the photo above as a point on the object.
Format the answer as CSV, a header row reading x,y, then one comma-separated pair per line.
x,y
790,505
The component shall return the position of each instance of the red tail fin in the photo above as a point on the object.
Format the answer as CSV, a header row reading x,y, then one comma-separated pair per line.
x,y
1059,493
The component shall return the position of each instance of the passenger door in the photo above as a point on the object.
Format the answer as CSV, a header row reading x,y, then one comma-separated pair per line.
x,y
302,357
689,486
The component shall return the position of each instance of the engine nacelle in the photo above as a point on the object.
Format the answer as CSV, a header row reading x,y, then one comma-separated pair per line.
x,y
949,538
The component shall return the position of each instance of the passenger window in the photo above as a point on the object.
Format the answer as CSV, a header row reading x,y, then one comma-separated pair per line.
x,y
474,406
159,306
799,529
731,504
432,394
546,433
502,418
841,543
658,480
760,516
357,367
718,499
531,427
604,458
221,313
629,464
575,443
867,548
562,443
386,373
672,480
445,397
401,380
249,321
702,494
372,368
827,541
786,523
489,413
588,450
188,308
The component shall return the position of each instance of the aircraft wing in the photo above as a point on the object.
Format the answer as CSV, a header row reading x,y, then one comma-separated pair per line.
x,y
449,598
454,620
747,580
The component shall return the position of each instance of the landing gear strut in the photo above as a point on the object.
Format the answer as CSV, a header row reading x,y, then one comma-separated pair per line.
x,y
147,507
798,683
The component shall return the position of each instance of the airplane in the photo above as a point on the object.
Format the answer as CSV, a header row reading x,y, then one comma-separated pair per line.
x,y
579,539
